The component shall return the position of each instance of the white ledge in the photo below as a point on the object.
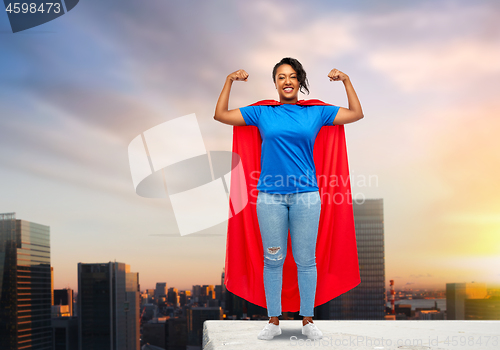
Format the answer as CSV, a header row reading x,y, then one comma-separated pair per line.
x,y
359,335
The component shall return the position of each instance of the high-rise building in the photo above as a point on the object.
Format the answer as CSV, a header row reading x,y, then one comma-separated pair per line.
x,y
196,293
154,332
218,292
202,294
184,297
456,293
173,296
160,290
65,333
195,318
209,291
52,285
176,333
367,300
64,297
108,307
482,309
25,284
224,290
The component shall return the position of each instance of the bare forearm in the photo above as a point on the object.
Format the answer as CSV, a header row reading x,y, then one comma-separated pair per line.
x,y
223,101
222,112
352,98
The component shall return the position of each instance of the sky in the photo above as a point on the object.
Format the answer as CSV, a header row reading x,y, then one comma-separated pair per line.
x,y
74,92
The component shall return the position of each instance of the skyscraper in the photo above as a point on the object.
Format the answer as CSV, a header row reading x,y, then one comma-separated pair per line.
x,y
367,300
108,307
64,297
160,291
195,318
482,309
456,293
25,285
173,296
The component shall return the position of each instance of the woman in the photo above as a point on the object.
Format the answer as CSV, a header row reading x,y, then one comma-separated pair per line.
x,y
288,195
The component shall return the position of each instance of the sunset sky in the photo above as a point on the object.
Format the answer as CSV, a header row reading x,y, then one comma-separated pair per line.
x,y
74,92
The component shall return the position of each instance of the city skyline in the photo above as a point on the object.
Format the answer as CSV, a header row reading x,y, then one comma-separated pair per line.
x,y
400,288
77,90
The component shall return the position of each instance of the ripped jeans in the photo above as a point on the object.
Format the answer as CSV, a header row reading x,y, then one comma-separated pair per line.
x,y
277,213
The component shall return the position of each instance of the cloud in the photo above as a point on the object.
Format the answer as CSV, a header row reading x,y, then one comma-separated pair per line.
x,y
314,40
441,46
119,115
441,66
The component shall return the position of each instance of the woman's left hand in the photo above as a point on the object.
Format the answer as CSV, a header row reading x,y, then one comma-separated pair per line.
x,y
336,75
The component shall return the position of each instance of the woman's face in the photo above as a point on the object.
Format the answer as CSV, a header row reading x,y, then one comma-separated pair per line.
x,y
287,83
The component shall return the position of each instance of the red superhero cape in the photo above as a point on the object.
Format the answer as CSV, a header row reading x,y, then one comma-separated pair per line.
x,y
336,251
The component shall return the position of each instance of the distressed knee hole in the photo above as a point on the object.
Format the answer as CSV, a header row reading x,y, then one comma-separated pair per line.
x,y
280,257
273,250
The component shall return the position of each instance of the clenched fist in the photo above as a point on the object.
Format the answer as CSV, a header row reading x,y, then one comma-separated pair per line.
x,y
240,74
336,75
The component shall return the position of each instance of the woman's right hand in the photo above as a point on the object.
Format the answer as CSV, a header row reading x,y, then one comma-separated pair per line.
x,y
240,74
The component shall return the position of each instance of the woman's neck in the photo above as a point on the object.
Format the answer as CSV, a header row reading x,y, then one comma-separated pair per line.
x,y
290,102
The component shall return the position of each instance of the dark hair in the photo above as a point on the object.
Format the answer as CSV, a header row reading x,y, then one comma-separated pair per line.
x,y
301,73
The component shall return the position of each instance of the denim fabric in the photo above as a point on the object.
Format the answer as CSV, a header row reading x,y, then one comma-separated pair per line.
x,y
277,213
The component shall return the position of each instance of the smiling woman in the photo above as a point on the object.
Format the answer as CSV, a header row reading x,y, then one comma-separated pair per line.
x,y
289,129
289,78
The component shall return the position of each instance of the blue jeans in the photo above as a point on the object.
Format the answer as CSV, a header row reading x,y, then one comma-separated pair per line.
x,y
277,213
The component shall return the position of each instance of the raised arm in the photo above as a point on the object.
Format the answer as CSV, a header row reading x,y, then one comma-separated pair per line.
x,y
222,114
354,112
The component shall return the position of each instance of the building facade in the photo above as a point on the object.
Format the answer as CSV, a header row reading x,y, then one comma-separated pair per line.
x,y
367,300
482,309
65,333
195,318
160,291
456,293
64,297
25,285
108,307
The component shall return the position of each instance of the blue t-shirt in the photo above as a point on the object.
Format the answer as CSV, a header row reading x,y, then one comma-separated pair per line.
x,y
288,134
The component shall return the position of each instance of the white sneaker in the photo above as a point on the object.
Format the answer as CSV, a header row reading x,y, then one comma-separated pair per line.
x,y
269,331
312,331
